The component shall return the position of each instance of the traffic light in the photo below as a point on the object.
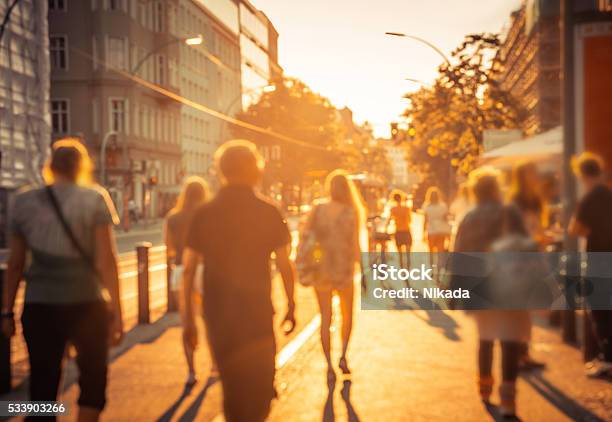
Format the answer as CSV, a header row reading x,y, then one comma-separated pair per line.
x,y
411,132
394,131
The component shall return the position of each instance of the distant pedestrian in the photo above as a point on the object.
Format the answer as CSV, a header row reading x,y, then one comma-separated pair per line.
x,y
526,196
436,229
461,204
593,221
133,210
234,235
336,223
193,194
479,230
72,284
401,216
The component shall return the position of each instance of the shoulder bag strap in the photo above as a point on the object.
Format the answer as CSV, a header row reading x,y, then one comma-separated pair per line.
x,y
67,230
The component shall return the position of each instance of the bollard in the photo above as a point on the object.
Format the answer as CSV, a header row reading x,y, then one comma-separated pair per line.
x,y
171,294
5,352
142,255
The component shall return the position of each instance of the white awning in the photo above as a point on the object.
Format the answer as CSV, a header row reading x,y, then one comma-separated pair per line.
x,y
543,145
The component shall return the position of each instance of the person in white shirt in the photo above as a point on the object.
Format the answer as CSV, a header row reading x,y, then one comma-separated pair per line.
x,y
436,229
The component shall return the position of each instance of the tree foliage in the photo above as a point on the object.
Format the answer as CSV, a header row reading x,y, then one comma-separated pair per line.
x,y
450,117
294,110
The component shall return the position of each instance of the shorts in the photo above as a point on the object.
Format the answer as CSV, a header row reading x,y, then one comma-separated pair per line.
x,y
403,238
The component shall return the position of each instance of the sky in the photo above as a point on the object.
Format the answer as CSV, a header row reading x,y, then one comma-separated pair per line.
x,y
339,47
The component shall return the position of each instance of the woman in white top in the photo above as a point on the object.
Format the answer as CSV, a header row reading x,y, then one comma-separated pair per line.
x,y
436,229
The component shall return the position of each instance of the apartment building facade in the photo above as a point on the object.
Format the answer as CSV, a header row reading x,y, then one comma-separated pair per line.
x,y
209,75
24,103
102,54
259,52
530,60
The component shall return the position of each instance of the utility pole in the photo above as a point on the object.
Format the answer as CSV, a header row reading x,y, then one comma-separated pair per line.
x,y
572,278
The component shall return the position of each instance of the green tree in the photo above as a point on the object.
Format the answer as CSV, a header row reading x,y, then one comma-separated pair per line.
x,y
449,118
295,111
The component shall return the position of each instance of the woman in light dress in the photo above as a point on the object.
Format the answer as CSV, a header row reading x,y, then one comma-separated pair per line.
x,y
337,222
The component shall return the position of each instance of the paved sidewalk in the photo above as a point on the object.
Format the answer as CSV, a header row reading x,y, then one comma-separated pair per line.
x,y
407,366
419,366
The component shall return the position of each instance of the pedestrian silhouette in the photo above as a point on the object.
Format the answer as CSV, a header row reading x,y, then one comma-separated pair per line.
x,y
234,235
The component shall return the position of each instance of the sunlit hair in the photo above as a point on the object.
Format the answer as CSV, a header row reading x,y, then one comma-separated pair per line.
x,y
485,185
588,164
341,188
239,162
525,193
433,196
69,160
194,192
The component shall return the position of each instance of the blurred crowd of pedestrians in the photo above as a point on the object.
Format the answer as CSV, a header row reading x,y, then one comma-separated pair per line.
x,y
219,249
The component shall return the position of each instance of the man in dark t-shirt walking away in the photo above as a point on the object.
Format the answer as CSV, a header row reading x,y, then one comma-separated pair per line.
x,y
593,220
235,235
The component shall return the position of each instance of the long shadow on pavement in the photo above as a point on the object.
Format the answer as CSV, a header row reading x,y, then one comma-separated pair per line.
x,y
175,406
192,412
561,401
328,409
346,396
140,334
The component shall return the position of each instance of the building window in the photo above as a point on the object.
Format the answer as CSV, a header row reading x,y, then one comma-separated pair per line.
x,y
57,5
58,51
160,71
117,53
95,115
158,17
60,117
118,115
116,5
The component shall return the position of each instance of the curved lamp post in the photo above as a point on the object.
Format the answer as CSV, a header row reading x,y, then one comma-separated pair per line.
x,y
191,41
422,41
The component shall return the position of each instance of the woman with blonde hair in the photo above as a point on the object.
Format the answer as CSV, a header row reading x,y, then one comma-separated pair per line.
x,y
72,283
436,229
337,223
193,193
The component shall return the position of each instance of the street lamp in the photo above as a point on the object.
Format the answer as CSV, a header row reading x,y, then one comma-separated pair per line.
x,y
190,41
422,41
418,81
197,40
